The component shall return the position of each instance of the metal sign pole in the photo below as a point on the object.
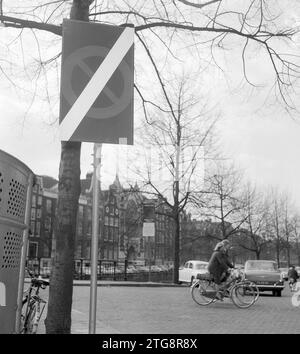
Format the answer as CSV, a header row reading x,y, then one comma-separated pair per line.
x,y
149,259
94,245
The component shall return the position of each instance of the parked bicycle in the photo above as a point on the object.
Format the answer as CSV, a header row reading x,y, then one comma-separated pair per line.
x,y
242,293
33,305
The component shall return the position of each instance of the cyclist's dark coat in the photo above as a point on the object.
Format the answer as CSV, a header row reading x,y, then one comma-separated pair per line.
x,y
218,264
292,273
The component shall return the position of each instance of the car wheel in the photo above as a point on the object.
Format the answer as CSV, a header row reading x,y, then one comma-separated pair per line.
x,y
274,292
278,293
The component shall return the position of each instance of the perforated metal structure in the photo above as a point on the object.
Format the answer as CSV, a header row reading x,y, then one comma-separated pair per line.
x,y
14,185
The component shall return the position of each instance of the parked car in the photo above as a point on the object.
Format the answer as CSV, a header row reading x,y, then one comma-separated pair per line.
x,y
163,268
238,269
284,273
155,268
189,271
265,275
142,269
131,269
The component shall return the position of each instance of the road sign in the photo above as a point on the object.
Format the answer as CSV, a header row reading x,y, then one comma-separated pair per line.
x,y
96,102
148,219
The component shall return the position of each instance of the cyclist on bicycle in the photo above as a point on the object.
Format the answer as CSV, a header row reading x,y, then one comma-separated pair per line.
x,y
218,266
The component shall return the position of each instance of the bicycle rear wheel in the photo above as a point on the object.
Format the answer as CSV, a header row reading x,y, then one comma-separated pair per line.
x,y
244,295
203,292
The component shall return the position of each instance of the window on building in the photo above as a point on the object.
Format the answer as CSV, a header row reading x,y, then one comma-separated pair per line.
x,y
39,200
106,233
88,252
47,224
79,227
47,250
89,213
122,242
80,211
38,213
33,201
38,228
48,205
89,229
32,228
32,213
33,250
112,210
78,251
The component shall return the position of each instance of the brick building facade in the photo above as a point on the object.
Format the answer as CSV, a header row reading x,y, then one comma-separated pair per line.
x,y
120,225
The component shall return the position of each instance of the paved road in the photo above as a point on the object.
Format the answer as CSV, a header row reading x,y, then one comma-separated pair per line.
x,y
171,310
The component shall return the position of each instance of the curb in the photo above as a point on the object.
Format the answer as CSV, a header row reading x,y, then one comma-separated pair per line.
x,y
150,285
121,283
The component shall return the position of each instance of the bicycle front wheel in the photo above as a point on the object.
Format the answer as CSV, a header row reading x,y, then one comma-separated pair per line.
x,y
30,322
203,292
244,295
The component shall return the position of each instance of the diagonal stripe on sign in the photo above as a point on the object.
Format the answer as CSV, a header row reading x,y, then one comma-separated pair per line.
x,y
96,84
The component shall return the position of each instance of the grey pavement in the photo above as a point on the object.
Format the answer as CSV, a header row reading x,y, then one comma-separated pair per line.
x,y
134,308
80,319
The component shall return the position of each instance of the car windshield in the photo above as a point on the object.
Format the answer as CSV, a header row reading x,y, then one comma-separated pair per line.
x,y
201,266
266,266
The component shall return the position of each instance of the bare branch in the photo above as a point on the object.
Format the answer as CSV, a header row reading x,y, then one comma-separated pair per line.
x,y
20,23
199,6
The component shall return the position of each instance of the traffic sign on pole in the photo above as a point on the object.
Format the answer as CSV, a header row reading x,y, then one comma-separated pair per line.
x,y
96,102
148,219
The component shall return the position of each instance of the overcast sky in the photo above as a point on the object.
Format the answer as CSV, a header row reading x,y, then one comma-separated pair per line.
x,y
263,139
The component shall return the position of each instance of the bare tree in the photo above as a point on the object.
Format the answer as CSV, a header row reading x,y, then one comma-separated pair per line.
x,y
224,201
166,25
178,136
255,226
295,222
276,222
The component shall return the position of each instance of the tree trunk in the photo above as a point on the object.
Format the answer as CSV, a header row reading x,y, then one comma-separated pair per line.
x,y
177,234
278,252
257,253
61,283
176,248
288,253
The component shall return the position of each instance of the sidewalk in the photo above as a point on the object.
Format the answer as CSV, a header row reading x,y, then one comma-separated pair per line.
x,y
80,320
